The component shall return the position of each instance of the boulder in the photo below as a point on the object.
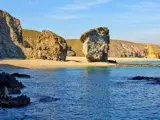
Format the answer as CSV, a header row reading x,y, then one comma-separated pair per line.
x,y
145,78
50,46
10,37
19,101
70,52
48,99
9,85
96,44
9,81
153,80
20,75
4,92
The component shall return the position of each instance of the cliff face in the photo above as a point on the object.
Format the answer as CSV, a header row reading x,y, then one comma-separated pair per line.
x,y
127,49
10,37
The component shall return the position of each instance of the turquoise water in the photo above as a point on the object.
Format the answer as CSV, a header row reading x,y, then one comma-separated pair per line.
x,y
88,94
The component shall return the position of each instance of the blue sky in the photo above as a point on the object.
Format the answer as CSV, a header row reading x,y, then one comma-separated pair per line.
x,y
132,20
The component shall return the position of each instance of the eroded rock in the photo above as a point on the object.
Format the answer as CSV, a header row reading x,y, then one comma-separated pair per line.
x,y
50,46
70,52
10,37
19,101
7,80
9,85
96,44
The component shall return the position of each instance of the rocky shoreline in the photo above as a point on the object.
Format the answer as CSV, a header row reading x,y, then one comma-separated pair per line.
x,y
10,85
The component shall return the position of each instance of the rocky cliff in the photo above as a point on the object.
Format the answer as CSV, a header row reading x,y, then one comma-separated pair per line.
x,y
50,46
127,49
10,37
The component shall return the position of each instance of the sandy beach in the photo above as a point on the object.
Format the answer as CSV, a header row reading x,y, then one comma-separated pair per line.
x,y
70,62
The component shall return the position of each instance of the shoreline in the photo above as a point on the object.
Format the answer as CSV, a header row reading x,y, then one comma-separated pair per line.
x,y
73,62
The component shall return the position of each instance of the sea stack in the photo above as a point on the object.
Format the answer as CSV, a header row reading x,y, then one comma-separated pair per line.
x,y
50,46
96,44
10,36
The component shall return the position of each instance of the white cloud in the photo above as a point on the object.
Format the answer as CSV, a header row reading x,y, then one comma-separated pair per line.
x,y
141,12
83,4
65,17
33,2
145,6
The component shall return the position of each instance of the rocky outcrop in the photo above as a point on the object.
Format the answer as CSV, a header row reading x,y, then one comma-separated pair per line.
x,y
17,102
10,85
70,52
127,49
9,81
20,75
50,46
96,44
10,36
153,80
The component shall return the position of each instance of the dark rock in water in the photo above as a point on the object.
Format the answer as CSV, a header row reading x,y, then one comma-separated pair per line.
x,y
7,80
20,101
9,85
48,99
145,78
14,91
20,75
4,92
154,80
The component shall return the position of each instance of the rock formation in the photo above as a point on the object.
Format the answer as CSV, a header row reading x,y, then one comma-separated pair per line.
x,y
96,44
10,36
9,81
10,85
70,52
50,46
119,48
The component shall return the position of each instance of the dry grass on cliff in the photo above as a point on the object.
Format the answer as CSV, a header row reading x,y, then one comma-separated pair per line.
x,y
118,48
76,45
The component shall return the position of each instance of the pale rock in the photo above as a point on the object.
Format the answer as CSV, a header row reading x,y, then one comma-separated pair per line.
x,y
96,44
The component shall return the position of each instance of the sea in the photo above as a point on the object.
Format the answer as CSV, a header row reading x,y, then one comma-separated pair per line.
x,y
88,93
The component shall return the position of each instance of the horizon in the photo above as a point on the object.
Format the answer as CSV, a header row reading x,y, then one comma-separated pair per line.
x,y
134,21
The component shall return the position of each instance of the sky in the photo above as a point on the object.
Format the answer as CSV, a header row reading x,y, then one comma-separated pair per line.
x,y
132,20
